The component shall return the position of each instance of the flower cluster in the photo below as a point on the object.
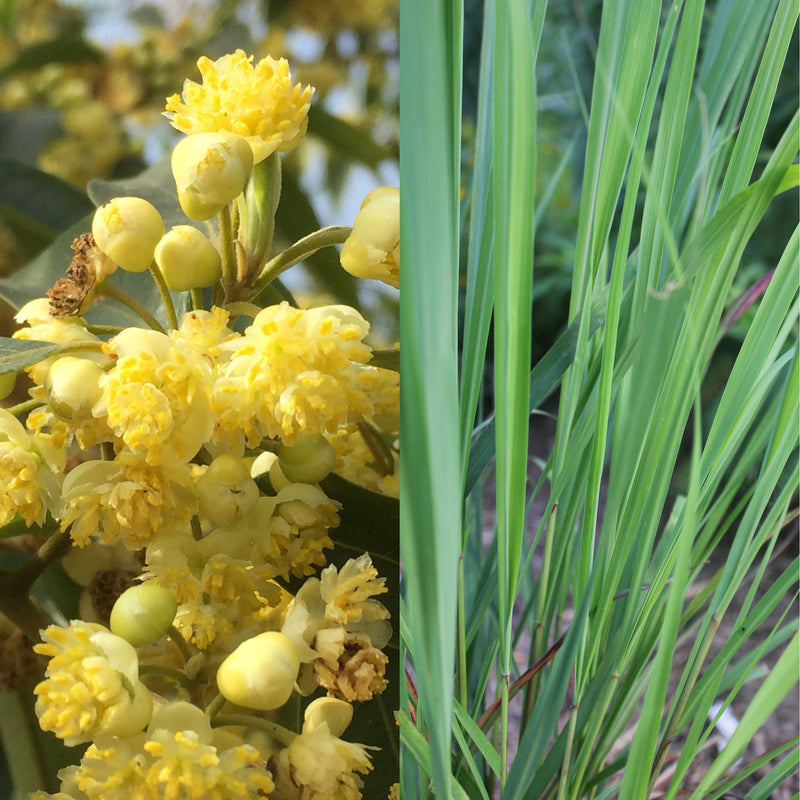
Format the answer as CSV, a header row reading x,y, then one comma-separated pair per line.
x,y
188,467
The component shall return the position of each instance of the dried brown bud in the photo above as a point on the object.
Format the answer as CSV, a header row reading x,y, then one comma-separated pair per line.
x,y
357,674
72,295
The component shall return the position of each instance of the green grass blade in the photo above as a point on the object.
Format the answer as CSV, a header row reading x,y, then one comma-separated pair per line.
x,y
782,677
479,294
430,492
513,183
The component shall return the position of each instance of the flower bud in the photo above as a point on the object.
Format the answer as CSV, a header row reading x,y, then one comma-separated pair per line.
x,y
336,714
7,382
308,460
127,230
373,248
143,613
210,170
267,463
187,259
226,491
72,387
260,673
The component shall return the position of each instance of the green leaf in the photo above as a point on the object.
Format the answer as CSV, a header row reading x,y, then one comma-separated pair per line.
x,y
345,139
25,132
782,677
16,354
37,206
386,359
294,219
60,50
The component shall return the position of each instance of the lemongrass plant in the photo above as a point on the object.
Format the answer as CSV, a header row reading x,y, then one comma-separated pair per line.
x,y
208,464
677,177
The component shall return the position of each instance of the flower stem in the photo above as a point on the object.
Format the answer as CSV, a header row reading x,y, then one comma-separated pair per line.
x,y
134,305
277,732
165,672
299,251
197,299
24,576
180,643
25,405
215,706
228,252
166,297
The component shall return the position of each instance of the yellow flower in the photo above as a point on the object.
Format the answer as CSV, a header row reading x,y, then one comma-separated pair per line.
x,y
356,462
45,328
126,499
347,592
373,248
156,396
257,101
203,330
319,766
91,685
292,372
30,468
179,758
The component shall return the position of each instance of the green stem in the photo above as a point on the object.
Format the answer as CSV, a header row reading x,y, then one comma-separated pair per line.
x,y
25,405
165,672
19,608
24,576
134,305
197,299
277,732
215,706
23,757
180,643
166,297
299,251
674,723
461,637
197,530
538,638
228,252
562,783
503,731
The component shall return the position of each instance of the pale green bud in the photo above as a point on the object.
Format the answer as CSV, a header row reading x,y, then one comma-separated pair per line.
x,y
226,491
260,673
373,248
268,463
336,714
143,613
127,230
72,387
308,460
187,259
7,382
210,170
